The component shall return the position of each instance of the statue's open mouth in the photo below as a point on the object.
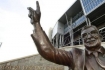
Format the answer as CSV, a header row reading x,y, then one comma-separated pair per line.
x,y
91,41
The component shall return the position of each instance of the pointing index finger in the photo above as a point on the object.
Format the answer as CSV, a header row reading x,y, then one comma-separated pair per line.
x,y
37,6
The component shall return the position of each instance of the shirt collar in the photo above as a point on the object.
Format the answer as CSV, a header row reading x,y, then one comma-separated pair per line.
x,y
101,50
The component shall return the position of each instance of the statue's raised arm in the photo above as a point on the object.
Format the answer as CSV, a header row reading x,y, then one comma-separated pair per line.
x,y
42,42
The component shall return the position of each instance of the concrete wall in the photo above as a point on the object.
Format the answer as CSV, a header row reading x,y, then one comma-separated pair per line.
x,y
54,32
60,28
34,62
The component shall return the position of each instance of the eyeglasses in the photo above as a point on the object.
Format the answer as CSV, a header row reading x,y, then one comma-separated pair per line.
x,y
90,34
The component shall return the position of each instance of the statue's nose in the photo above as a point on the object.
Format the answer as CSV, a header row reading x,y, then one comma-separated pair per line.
x,y
88,35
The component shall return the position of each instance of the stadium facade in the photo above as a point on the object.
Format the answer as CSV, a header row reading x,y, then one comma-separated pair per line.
x,y
67,30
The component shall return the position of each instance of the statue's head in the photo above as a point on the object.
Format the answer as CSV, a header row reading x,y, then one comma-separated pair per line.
x,y
91,37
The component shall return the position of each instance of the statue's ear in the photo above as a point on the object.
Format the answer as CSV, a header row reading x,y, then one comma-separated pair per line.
x,y
101,37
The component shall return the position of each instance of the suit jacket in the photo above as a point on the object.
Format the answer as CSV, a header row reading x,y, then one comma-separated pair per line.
x,y
74,59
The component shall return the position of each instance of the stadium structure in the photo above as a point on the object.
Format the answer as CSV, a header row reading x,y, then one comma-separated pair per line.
x,y
67,30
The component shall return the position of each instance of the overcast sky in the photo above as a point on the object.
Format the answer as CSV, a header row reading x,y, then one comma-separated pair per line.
x,y
15,27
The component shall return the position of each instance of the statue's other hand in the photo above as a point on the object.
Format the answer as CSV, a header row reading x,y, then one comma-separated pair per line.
x,y
34,15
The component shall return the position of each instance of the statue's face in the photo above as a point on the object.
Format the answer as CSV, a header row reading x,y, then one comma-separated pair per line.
x,y
91,37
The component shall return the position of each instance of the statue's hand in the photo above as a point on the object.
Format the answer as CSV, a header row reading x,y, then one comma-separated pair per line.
x,y
34,15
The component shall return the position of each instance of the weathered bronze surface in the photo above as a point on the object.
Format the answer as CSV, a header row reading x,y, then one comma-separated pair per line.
x,y
92,58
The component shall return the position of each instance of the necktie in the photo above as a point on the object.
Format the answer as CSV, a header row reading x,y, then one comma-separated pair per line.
x,y
99,61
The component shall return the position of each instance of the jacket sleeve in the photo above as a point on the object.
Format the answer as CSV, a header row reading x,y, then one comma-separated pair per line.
x,y
47,51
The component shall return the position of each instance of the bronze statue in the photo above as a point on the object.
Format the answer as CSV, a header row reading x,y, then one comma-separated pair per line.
x,y
92,58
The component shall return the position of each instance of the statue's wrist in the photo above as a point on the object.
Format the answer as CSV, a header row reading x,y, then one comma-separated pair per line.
x,y
36,23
